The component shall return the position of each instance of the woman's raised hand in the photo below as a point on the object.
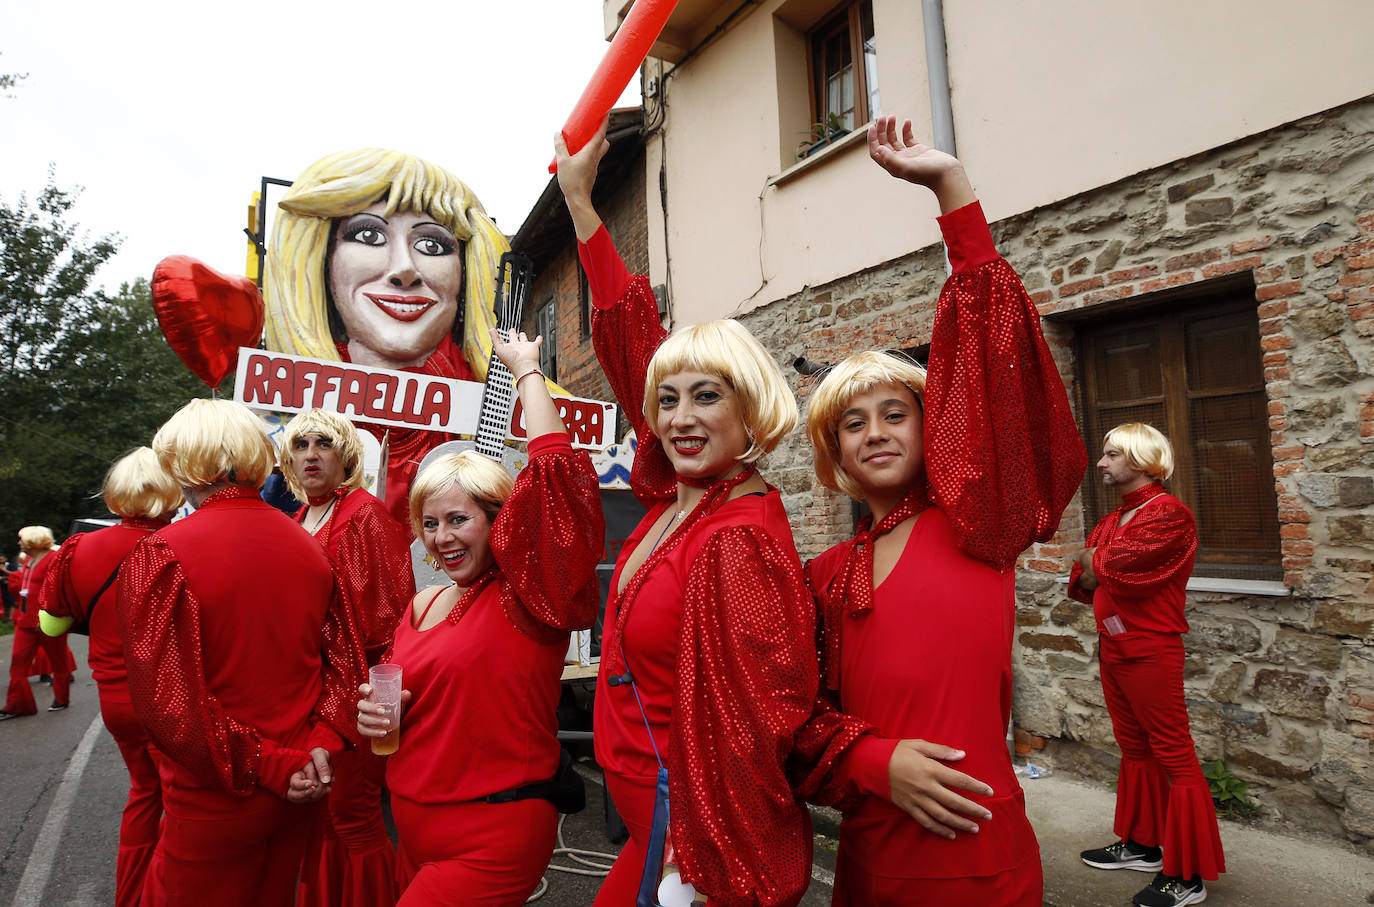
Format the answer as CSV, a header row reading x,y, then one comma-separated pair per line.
x,y
519,354
905,158
577,176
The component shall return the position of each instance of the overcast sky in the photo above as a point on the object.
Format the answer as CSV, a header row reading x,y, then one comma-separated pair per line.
x,y
169,113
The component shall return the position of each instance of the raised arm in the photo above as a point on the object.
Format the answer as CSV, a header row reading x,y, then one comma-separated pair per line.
x,y
521,356
626,329
1003,453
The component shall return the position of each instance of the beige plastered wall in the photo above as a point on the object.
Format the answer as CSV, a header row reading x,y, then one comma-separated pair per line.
x,y
1050,99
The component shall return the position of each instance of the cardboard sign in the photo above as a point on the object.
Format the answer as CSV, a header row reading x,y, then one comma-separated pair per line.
x,y
293,384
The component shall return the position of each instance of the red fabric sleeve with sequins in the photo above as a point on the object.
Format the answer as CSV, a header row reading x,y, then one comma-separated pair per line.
x,y
59,593
737,706
625,332
554,507
186,721
822,765
371,556
1148,554
1003,453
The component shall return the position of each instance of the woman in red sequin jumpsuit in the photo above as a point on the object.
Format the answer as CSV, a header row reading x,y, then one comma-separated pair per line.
x,y
961,473
708,611
484,657
243,675
145,497
350,861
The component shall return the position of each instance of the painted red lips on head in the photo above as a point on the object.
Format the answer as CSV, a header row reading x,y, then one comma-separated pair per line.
x,y
205,315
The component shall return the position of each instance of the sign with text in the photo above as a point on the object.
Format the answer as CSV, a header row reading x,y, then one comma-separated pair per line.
x,y
293,384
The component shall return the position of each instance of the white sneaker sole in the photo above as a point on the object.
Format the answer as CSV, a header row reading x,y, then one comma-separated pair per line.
x,y
1137,865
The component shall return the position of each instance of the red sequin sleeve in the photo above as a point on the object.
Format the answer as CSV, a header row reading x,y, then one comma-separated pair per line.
x,y
625,332
159,621
371,557
59,594
1003,453
548,539
745,683
822,766
343,669
1158,543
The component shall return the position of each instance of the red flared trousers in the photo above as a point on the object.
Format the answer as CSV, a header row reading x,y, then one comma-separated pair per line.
x,y
350,861
1162,798
27,642
138,831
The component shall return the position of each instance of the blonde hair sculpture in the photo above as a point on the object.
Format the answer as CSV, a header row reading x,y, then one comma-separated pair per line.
x,y
856,375
36,537
1145,448
481,479
329,425
296,282
726,348
138,486
209,441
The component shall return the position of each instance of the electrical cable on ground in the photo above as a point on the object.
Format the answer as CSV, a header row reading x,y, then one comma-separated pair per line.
x,y
597,869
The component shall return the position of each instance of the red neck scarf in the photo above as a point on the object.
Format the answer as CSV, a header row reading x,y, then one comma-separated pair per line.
x,y
851,592
1134,499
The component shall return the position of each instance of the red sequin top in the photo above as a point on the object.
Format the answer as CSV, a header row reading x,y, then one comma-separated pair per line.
x,y
1143,567
240,646
81,567
370,552
408,446
932,659
718,630
485,682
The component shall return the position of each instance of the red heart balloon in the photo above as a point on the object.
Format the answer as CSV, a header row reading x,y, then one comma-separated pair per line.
x,y
205,315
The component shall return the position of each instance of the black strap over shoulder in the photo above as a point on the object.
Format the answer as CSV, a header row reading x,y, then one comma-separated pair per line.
x,y
83,627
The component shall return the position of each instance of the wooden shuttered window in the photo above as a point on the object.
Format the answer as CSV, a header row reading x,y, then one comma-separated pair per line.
x,y
1196,375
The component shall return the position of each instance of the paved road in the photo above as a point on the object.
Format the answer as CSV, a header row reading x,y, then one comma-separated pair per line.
x,y
78,818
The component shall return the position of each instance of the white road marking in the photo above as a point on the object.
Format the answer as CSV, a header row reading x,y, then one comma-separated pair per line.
x,y
39,868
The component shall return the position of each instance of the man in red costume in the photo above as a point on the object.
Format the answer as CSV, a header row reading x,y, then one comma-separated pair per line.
x,y
1134,572
350,862
244,678
26,584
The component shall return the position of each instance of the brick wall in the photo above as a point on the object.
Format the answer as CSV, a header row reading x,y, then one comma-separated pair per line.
x,y
1282,687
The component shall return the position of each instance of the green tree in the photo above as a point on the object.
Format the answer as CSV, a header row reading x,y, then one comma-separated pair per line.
x,y
84,377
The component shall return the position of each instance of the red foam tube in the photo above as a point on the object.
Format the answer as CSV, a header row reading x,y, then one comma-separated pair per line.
x,y
629,47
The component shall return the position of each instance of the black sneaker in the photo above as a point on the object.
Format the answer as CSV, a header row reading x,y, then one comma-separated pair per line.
x,y
56,706
1125,855
45,678
1171,891
6,716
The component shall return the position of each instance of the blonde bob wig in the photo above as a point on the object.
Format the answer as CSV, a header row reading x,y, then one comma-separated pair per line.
x,y
726,348
332,426
36,537
856,375
209,441
138,486
1145,448
296,283
481,479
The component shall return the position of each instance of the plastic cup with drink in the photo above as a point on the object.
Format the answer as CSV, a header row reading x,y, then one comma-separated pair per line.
x,y
385,680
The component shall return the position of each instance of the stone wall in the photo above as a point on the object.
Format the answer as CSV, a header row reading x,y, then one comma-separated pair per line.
x,y
1281,686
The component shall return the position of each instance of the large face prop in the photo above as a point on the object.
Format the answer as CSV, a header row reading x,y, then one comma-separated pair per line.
x,y
395,282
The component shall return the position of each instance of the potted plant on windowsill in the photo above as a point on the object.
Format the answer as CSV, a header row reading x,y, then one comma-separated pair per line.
x,y
821,134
